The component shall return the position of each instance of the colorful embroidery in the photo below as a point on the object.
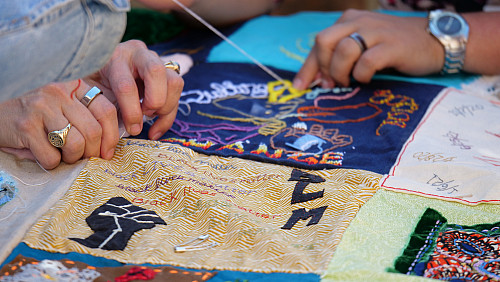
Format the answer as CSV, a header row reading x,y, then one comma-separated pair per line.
x,y
30,270
25,269
445,251
137,273
248,116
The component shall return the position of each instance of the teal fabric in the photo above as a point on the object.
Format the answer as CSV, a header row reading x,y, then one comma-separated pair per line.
x,y
221,276
288,40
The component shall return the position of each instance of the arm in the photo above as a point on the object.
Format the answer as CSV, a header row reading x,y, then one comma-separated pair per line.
x,y
396,43
217,12
483,48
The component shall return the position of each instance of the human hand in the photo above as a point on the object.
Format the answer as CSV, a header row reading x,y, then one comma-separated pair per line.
x,y
26,121
134,73
400,43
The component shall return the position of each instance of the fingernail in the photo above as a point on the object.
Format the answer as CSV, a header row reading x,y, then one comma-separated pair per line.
x,y
297,84
135,129
110,154
157,136
326,83
149,113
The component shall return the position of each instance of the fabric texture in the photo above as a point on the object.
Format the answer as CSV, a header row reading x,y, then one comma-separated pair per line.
x,y
294,230
8,188
382,229
29,269
236,110
73,39
453,154
99,262
444,251
38,191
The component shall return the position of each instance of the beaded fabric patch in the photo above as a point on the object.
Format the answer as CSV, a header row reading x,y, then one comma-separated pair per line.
x,y
8,189
440,250
27,269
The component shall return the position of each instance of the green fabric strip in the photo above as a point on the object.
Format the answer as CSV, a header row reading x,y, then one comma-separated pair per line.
x,y
423,239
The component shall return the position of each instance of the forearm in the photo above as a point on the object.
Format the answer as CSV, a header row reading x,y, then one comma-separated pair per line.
x,y
217,12
483,47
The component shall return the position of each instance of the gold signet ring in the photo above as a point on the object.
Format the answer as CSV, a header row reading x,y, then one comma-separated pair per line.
x,y
173,66
90,96
58,137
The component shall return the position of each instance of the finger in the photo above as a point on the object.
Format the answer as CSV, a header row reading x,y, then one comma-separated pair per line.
x,y
308,72
326,43
125,90
154,76
102,127
74,145
85,122
168,112
162,124
47,155
372,60
345,56
175,84
40,111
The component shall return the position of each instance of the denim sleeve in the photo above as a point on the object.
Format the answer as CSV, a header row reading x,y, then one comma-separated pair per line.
x,y
43,41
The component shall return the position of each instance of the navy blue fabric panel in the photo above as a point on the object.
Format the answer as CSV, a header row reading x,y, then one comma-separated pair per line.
x,y
224,110
221,276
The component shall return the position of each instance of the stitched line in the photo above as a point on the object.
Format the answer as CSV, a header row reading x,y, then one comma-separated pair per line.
x,y
424,248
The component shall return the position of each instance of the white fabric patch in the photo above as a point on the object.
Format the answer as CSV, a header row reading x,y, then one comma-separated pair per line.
x,y
454,154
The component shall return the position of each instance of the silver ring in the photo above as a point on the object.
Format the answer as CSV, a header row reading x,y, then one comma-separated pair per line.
x,y
58,137
90,96
359,40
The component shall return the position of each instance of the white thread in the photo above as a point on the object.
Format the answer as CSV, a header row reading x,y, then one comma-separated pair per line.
x,y
38,184
19,193
15,209
209,26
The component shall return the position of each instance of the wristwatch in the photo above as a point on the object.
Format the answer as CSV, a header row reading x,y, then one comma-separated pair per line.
x,y
452,31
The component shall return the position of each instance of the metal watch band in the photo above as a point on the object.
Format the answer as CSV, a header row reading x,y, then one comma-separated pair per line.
x,y
453,62
454,45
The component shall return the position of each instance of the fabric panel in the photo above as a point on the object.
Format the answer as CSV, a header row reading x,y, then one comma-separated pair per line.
x,y
295,230
382,229
237,110
453,154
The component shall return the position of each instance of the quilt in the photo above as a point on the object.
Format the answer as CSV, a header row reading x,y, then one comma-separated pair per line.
x,y
257,181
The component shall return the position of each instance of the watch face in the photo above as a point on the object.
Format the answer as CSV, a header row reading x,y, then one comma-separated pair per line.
x,y
448,25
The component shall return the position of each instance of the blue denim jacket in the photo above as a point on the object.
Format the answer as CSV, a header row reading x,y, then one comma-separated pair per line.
x,y
43,41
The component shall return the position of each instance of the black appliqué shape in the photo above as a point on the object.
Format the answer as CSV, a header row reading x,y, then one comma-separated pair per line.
x,y
302,214
115,222
304,179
